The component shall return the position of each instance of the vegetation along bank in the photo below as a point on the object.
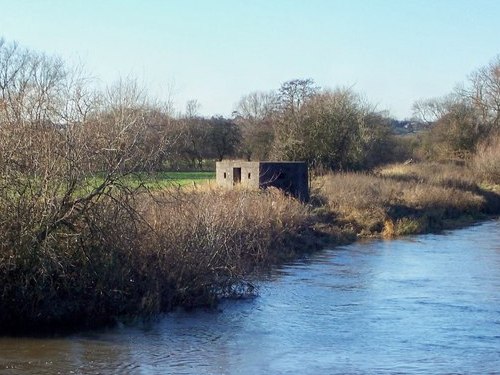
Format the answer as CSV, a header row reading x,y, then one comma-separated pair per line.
x,y
95,226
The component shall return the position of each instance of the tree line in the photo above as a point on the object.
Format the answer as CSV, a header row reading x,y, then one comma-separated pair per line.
x,y
465,120
330,129
121,129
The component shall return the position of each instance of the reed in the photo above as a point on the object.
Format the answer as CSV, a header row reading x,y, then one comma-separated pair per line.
x,y
403,199
486,161
157,251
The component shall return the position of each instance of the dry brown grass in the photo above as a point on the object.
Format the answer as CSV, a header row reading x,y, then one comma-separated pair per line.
x,y
402,199
437,174
177,248
486,161
212,239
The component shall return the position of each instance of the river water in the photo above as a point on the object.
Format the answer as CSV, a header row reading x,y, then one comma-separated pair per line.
x,y
421,305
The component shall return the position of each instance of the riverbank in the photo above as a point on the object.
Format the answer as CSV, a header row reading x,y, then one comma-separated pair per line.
x,y
190,248
404,302
407,199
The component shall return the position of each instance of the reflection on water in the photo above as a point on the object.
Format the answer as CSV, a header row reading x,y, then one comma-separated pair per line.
x,y
428,304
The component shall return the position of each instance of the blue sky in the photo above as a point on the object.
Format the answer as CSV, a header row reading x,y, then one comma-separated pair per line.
x,y
392,52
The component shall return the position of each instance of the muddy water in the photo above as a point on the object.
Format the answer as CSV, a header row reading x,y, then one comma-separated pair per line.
x,y
422,305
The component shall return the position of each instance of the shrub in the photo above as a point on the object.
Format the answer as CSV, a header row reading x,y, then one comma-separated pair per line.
x,y
139,255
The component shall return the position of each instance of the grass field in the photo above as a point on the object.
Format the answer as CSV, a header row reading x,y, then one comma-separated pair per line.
x,y
164,179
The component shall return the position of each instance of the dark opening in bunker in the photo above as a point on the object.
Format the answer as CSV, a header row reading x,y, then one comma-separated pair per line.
x,y
236,176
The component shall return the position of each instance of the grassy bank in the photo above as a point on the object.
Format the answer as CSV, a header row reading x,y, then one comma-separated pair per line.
x,y
406,199
190,247
176,248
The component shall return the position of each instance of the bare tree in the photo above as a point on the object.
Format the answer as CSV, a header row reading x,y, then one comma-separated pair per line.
x,y
225,137
295,93
30,84
465,117
430,110
63,147
256,106
192,108
288,143
483,93
255,115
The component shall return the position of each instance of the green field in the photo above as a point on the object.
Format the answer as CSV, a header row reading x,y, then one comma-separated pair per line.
x,y
168,179
152,181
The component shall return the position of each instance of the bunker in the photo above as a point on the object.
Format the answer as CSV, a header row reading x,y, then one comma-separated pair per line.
x,y
289,176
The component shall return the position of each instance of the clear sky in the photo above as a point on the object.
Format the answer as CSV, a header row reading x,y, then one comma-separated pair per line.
x,y
392,51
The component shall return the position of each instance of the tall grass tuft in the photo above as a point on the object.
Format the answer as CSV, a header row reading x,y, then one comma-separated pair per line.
x,y
210,240
486,161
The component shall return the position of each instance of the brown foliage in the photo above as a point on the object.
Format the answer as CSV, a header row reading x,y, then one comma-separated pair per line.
x,y
142,254
486,161
213,239
402,199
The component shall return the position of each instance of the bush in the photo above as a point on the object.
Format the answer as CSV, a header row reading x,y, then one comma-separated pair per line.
x,y
172,249
217,237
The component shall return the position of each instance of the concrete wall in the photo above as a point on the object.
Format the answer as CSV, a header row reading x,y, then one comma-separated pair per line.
x,y
226,175
291,177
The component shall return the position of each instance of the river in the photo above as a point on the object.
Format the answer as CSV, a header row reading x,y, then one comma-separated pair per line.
x,y
427,304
